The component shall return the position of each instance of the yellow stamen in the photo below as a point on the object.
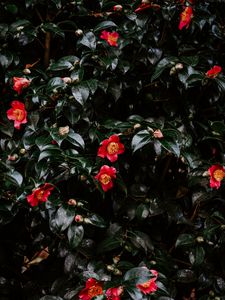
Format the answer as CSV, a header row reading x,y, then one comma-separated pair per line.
x,y
19,114
112,148
218,175
105,178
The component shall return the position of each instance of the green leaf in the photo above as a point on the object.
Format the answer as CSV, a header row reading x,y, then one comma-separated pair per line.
x,y
109,244
88,40
81,93
14,177
75,139
141,139
19,24
52,153
171,146
51,298
141,240
105,24
54,83
162,65
142,211
75,235
51,27
96,220
63,218
197,255
57,3
190,60
138,275
186,276
6,58
221,83
185,239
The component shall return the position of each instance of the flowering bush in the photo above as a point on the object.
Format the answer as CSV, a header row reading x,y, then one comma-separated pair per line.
x,y
112,150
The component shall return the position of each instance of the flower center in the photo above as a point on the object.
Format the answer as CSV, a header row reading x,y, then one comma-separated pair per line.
x,y
40,194
145,284
94,291
105,178
218,175
112,39
112,148
18,114
185,14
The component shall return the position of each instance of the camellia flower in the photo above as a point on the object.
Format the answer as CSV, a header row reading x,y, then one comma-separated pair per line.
x,y
17,113
92,288
185,17
114,293
217,173
213,72
110,148
118,7
149,286
19,83
145,6
40,194
110,37
105,176
158,134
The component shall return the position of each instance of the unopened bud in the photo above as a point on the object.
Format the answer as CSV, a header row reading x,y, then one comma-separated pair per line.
x,y
117,272
67,80
22,151
137,125
79,32
158,134
78,219
118,7
12,157
153,262
26,71
63,130
83,178
200,239
217,298
116,259
72,202
19,28
87,221
179,66
173,71
222,227
211,293
110,268
145,2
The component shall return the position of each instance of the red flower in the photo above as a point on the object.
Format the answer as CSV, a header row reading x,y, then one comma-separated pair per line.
x,y
17,113
217,173
110,37
118,7
19,83
40,194
92,288
114,293
110,148
105,176
213,72
185,17
149,286
145,6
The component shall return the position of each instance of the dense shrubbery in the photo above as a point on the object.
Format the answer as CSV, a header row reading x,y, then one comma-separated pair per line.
x,y
112,150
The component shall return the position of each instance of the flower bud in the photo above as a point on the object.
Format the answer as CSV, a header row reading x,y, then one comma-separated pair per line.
x,y
173,71
110,268
87,221
200,239
79,32
158,134
137,125
72,202
179,66
12,157
118,7
145,2
83,178
67,80
78,219
22,151
63,130
19,28
222,227
116,259
117,272
26,71
211,293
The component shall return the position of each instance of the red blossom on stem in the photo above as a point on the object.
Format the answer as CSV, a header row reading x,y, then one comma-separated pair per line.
x,y
92,288
105,177
149,286
19,83
110,37
185,17
213,72
17,113
40,194
217,173
110,148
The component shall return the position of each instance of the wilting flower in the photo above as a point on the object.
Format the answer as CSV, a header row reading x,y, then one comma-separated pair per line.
x,y
92,288
110,148
105,176
149,286
40,194
19,83
213,72
185,17
114,293
17,113
110,37
217,173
